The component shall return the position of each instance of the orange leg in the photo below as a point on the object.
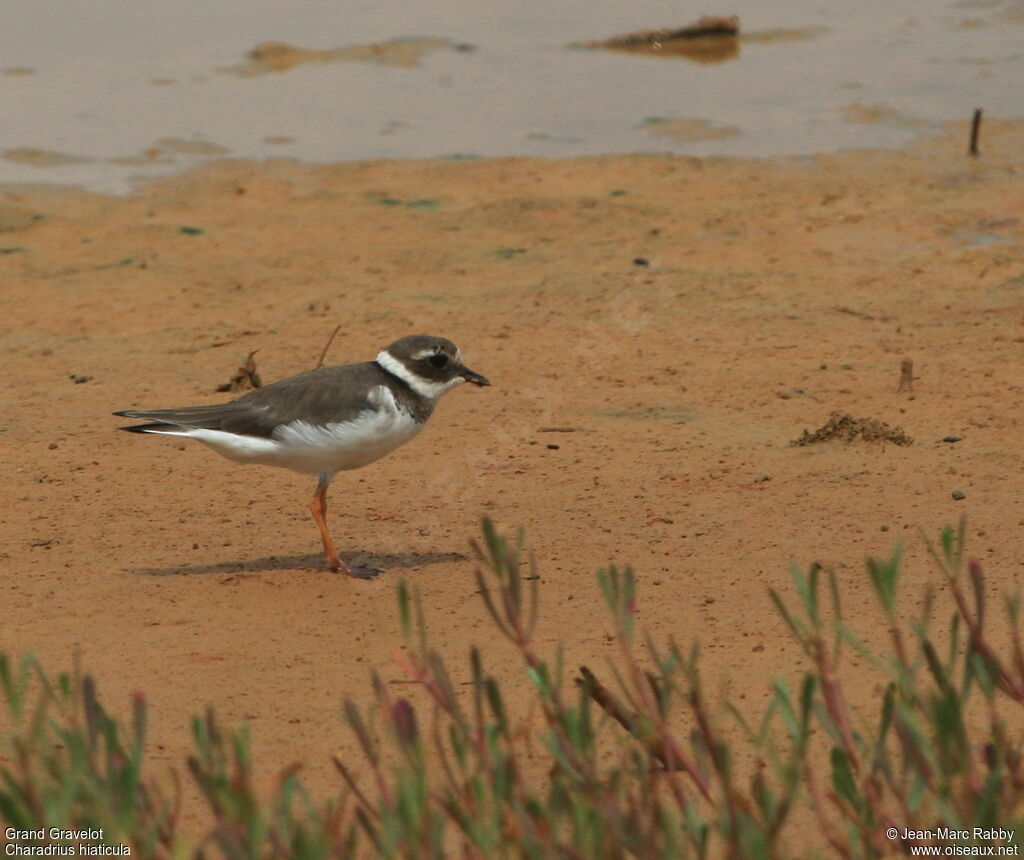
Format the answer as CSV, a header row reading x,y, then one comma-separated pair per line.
x,y
319,508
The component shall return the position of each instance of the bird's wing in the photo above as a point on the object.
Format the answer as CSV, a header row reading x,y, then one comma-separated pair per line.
x,y
324,395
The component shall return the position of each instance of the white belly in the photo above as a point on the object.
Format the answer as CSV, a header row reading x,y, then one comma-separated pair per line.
x,y
305,447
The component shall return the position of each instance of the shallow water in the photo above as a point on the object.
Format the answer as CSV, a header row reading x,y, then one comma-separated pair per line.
x,y
103,93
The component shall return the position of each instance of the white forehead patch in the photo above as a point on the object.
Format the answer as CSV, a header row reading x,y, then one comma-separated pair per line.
x,y
426,353
423,387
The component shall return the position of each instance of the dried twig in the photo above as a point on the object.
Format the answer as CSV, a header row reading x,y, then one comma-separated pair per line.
x,y
670,757
327,345
247,376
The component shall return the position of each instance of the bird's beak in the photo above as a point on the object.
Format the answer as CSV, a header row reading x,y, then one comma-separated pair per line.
x,y
474,377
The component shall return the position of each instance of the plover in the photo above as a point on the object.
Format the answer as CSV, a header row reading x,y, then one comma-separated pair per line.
x,y
326,420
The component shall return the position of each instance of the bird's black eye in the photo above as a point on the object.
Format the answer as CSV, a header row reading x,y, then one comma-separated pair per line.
x,y
440,360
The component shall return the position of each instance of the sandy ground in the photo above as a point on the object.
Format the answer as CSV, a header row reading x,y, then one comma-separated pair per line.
x,y
686,318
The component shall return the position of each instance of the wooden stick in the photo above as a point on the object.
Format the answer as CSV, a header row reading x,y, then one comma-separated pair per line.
x,y
972,149
906,376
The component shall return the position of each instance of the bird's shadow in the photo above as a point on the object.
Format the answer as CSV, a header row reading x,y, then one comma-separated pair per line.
x,y
381,562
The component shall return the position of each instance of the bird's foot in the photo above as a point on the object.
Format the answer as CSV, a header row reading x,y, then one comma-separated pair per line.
x,y
356,571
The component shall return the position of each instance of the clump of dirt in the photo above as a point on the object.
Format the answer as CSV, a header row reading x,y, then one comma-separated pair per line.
x,y
847,428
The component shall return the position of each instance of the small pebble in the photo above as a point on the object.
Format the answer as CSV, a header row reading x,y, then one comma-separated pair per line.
x,y
552,447
958,495
952,438
641,261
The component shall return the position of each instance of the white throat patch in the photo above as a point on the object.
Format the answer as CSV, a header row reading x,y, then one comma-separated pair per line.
x,y
423,387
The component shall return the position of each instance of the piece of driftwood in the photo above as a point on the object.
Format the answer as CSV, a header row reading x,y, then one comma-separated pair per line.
x,y
709,40
723,26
